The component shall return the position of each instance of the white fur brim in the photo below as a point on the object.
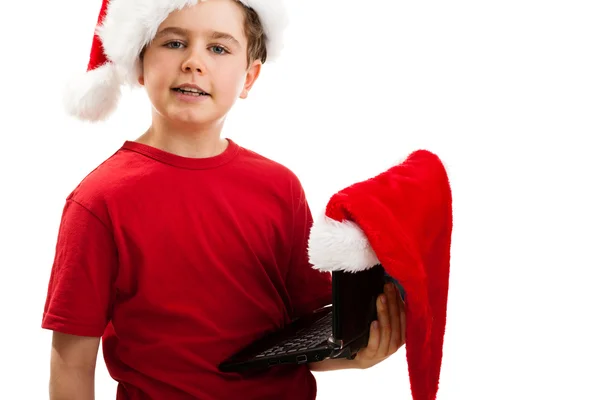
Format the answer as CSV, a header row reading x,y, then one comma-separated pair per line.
x,y
94,95
339,246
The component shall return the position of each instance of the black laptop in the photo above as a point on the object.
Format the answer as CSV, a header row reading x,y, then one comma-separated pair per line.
x,y
338,330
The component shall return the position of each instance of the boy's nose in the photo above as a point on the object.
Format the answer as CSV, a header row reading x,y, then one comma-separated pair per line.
x,y
193,64
188,69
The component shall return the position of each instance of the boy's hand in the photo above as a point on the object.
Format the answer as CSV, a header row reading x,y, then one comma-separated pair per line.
x,y
388,332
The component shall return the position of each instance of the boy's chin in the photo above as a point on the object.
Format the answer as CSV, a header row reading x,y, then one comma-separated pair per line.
x,y
191,117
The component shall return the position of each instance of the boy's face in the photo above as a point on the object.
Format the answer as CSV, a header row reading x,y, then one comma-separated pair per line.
x,y
203,46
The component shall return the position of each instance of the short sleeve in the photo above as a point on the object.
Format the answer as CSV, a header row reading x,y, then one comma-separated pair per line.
x,y
309,288
82,278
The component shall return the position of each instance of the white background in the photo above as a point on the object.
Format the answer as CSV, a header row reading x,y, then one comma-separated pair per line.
x,y
507,93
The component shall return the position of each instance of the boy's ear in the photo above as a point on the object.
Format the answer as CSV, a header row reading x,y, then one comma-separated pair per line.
x,y
251,76
141,68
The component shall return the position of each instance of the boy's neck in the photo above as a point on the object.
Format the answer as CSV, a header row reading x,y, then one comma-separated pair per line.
x,y
185,141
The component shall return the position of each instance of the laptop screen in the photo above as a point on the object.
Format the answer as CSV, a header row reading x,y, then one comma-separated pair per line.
x,y
354,301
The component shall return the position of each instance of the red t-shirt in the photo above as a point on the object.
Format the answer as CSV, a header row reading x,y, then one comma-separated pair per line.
x,y
179,262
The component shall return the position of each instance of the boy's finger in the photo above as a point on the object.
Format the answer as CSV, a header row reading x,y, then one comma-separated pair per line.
x,y
385,329
374,338
394,312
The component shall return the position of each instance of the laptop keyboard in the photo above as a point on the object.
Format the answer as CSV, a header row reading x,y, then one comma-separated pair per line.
x,y
304,339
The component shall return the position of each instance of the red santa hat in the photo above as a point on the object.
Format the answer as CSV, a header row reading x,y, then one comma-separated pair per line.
x,y
123,29
401,219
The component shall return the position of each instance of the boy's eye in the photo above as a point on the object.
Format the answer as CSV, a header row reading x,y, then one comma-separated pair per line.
x,y
174,45
218,50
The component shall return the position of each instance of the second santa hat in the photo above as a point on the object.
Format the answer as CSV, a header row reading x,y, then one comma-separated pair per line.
x,y
124,28
402,220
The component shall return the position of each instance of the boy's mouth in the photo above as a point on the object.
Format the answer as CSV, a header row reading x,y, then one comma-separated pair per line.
x,y
190,90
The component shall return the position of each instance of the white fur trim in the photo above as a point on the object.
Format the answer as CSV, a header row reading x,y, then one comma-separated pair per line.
x,y
339,246
93,96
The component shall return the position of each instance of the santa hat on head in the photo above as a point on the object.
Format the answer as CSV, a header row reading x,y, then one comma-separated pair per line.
x,y
402,220
123,29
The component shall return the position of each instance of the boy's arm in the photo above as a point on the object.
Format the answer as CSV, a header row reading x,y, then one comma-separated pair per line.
x,y
333,365
79,300
73,366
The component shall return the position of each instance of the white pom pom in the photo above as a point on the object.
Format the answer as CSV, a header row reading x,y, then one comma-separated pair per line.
x,y
94,95
339,246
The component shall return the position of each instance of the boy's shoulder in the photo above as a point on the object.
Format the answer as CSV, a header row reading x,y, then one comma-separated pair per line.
x,y
104,181
259,163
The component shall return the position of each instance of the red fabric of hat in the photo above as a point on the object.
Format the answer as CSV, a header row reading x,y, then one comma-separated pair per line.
x,y
401,219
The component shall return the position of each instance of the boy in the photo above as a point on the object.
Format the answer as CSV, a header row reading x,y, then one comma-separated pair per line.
x,y
183,247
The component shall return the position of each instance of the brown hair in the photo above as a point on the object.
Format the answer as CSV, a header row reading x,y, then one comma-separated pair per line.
x,y
255,34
